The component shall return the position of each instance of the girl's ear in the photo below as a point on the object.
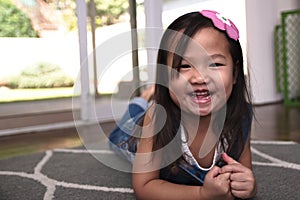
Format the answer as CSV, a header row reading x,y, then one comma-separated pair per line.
x,y
235,71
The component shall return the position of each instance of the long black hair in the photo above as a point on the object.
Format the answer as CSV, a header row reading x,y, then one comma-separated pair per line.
x,y
239,110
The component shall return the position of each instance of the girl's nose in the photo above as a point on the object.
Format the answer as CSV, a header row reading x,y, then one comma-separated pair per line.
x,y
198,77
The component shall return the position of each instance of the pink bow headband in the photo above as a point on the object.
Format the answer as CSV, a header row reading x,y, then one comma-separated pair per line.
x,y
222,23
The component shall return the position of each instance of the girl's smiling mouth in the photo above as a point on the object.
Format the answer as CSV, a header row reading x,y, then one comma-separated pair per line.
x,y
202,96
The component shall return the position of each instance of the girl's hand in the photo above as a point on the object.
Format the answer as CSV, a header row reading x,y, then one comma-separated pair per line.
x,y
216,185
242,181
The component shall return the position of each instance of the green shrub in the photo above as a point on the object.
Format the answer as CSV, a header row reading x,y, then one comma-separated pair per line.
x,y
11,82
13,22
108,11
40,69
41,75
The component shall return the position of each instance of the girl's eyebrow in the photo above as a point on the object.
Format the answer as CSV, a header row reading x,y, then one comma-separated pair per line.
x,y
191,59
187,57
217,56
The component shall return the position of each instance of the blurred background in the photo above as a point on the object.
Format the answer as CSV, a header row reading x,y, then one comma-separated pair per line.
x,y
51,50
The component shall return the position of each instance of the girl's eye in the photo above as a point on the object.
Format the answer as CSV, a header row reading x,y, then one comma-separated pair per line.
x,y
216,65
185,66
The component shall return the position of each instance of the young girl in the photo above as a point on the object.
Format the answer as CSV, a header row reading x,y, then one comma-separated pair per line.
x,y
193,142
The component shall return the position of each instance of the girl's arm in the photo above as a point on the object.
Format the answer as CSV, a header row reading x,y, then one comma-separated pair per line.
x,y
243,184
146,182
147,185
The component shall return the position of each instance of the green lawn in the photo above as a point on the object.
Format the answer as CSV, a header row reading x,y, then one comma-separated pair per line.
x,y
11,95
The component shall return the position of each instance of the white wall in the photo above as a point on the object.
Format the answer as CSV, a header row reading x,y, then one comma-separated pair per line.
x,y
18,53
284,5
262,16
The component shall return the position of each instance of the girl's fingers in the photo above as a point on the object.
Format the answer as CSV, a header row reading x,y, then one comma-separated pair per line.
x,y
242,181
242,177
228,159
234,168
215,171
232,165
240,186
240,193
224,176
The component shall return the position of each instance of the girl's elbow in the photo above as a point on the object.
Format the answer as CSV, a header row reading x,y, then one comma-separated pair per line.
x,y
139,191
138,187
142,187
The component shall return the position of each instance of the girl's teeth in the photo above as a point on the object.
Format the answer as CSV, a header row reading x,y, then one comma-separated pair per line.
x,y
195,94
201,97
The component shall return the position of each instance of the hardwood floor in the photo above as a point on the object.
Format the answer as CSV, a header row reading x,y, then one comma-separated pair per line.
x,y
272,122
276,122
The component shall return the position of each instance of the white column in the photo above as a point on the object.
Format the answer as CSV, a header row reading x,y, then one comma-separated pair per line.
x,y
153,15
85,94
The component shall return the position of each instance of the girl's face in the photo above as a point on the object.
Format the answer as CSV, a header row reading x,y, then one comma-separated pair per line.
x,y
205,78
